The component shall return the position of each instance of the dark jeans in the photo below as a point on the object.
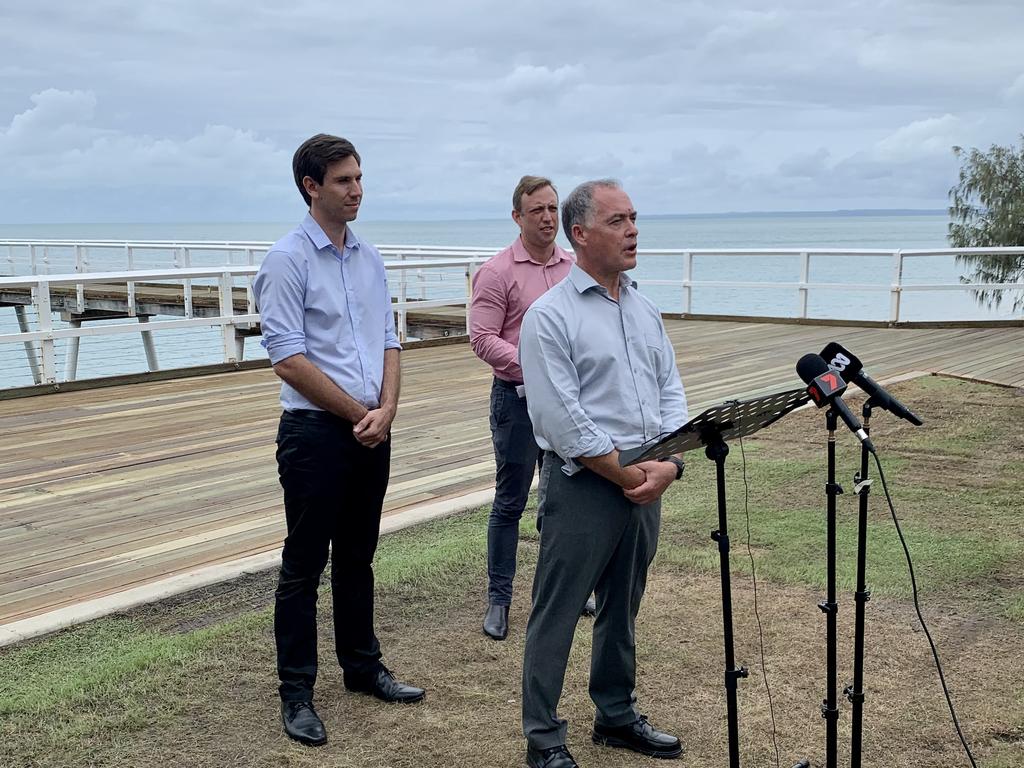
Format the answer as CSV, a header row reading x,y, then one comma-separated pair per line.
x,y
516,456
333,492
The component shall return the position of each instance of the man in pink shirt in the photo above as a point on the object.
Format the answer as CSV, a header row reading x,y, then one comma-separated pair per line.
x,y
503,289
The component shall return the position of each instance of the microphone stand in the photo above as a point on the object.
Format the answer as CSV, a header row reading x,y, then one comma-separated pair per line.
x,y
855,692
717,450
830,706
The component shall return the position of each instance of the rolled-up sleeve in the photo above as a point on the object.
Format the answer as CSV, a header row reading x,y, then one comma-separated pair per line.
x,y
390,336
280,289
553,389
487,309
672,399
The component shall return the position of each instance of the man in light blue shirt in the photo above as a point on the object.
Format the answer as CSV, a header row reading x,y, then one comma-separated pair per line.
x,y
329,329
600,377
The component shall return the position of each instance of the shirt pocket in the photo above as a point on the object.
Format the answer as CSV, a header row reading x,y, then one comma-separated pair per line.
x,y
652,348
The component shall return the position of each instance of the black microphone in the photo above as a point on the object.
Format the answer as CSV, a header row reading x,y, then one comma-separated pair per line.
x,y
849,367
826,387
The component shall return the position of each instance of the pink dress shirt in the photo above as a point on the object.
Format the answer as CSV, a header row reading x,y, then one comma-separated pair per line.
x,y
503,289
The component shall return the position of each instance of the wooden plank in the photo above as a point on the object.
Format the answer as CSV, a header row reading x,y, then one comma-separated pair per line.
x,y
105,489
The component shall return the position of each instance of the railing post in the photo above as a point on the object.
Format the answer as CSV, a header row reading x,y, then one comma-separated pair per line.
x,y
30,348
79,287
470,274
149,346
227,310
45,320
182,258
897,286
805,275
71,353
10,258
130,260
687,283
32,260
403,296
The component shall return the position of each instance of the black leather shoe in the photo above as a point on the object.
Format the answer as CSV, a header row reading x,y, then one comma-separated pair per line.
x,y
639,736
590,609
302,723
496,622
555,757
383,685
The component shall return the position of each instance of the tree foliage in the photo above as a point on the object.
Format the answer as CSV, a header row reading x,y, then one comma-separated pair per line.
x,y
987,209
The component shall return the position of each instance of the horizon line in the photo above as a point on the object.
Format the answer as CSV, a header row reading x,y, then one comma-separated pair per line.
x,y
706,215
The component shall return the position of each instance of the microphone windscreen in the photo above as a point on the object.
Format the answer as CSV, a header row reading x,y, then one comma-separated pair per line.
x,y
837,357
810,366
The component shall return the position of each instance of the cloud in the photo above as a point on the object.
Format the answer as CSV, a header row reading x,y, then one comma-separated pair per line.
x,y
1015,93
194,108
931,136
541,83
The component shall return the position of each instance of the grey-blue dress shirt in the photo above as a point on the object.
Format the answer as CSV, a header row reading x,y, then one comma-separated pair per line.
x,y
599,374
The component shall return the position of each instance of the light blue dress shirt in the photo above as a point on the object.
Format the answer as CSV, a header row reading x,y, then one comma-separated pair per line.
x,y
599,374
334,308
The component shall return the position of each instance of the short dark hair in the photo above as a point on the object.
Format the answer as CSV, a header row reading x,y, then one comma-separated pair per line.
x,y
578,207
527,186
315,154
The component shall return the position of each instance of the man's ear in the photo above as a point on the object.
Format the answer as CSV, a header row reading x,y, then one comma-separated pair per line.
x,y
311,187
579,234
517,217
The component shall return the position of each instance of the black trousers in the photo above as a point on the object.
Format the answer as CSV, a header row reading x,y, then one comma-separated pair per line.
x,y
333,492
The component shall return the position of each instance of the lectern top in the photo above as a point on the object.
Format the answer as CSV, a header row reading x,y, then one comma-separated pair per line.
x,y
731,419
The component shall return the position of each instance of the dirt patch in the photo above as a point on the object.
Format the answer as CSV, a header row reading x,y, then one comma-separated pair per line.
x,y
225,711
220,708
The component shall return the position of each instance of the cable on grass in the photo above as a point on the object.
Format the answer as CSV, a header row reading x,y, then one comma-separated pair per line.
x,y
917,608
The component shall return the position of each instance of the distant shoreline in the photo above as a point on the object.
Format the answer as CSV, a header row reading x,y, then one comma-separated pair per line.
x,y
839,213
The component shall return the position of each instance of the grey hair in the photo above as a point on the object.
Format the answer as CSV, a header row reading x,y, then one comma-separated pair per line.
x,y
578,207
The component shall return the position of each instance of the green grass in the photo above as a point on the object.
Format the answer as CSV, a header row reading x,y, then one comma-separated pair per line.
x,y
124,660
88,694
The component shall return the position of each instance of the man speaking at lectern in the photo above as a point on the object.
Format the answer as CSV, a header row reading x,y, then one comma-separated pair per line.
x,y
600,377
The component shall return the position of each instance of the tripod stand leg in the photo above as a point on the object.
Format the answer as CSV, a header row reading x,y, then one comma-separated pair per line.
x,y
855,692
830,706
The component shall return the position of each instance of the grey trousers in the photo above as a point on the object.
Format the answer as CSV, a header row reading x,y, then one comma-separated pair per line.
x,y
592,539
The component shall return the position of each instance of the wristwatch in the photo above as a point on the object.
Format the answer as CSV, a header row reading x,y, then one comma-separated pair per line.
x,y
680,465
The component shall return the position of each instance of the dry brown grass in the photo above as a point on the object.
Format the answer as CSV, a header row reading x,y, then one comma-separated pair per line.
x,y
216,704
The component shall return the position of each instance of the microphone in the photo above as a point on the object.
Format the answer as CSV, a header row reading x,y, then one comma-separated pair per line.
x,y
826,387
849,367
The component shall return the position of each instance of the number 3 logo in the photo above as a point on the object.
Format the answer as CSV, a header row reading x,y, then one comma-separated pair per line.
x,y
839,362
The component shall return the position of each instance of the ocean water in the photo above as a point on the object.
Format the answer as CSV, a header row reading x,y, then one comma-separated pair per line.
x,y
110,355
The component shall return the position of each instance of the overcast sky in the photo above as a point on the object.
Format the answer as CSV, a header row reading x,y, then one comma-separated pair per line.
x,y
190,110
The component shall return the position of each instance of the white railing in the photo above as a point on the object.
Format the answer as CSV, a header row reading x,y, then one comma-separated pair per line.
x,y
40,343
423,278
896,287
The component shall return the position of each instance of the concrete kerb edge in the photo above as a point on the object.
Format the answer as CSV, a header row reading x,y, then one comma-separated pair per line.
x,y
45,623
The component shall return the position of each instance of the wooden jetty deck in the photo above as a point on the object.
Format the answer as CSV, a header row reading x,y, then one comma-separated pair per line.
x,y
106,489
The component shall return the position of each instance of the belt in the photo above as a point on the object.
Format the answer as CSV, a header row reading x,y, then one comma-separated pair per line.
x,y
507,384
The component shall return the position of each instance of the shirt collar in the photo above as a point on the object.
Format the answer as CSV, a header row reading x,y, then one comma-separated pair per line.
x,y
320,239
583,282
519,253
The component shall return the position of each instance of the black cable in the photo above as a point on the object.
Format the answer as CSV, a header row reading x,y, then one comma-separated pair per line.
x,y
757,616
917,607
